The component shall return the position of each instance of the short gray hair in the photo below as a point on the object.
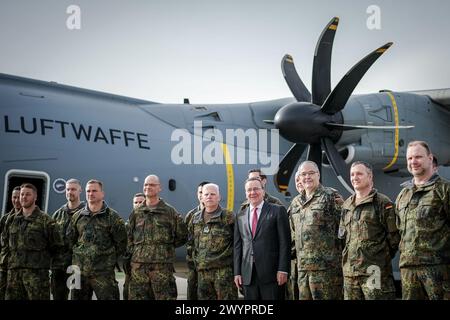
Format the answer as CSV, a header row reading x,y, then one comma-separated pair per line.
x,y
212,185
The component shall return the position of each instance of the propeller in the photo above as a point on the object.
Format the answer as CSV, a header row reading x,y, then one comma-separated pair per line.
x,y
315,119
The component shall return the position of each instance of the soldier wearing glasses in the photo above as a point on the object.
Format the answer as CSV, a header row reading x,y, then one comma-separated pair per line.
x,y
315,223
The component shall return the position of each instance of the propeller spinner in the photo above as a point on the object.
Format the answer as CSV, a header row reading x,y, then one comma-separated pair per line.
x,y
315,120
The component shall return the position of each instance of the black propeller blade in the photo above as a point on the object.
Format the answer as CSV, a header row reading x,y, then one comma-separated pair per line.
x,y
287,166
319,122
340,94
315,155
337,163
294,82
321,77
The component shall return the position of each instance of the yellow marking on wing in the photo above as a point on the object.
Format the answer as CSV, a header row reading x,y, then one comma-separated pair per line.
x,y
394,105
230,177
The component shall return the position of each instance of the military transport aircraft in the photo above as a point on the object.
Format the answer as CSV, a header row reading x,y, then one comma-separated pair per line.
x,y
51,132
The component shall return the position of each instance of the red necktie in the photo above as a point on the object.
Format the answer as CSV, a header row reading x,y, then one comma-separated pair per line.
x,y
254,221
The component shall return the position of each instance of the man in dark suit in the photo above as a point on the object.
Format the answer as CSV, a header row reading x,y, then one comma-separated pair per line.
x,y
262,246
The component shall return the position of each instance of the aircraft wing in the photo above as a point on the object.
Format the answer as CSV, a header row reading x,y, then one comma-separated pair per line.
x,y
440,96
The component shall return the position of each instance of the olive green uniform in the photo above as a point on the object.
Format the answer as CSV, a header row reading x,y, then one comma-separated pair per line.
x,y
154,235
62,259
315,223
371,241
99,240
3,269
192,273
27,246
423,218
212,245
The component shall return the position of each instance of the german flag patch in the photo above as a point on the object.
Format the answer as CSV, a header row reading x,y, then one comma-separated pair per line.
x,y
388,206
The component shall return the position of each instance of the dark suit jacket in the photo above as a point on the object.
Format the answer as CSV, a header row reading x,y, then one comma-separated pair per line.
x,y
270,249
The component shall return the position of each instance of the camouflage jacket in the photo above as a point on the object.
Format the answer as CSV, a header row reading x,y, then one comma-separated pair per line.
x,y
63,257
267,197
423,218
187,221
370,234
212,241
97,240
155,233
2,227
314,224
295,207
29,242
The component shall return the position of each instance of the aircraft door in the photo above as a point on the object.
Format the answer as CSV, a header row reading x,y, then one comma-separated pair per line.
x,y
16,177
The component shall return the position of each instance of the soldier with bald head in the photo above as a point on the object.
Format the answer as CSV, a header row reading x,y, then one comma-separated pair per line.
x,y
423,218
155,230
212,231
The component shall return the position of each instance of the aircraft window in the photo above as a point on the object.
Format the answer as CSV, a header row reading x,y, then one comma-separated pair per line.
x,y
15,178
383,113
213,116
172,185
200,108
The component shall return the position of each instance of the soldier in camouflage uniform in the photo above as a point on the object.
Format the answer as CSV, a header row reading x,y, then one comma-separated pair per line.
x,y
192,273
62,259
156,229
315,222
212,243
28,241
371,239
138,200
257,173
15,199
292,287
98,238
423,218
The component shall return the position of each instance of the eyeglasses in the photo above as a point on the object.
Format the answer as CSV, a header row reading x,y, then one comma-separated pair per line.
x,y
151,184
310,173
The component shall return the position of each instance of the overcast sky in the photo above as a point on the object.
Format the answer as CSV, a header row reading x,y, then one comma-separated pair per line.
x,y
217,51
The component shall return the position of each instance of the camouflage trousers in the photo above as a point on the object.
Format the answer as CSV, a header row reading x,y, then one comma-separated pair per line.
x,y
192,279
216,284
426,282
58,284
320,285
3,275
152,281
28,284
292,285
103,284
363,288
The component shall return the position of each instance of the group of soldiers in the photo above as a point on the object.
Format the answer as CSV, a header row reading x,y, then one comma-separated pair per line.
x,y
340,249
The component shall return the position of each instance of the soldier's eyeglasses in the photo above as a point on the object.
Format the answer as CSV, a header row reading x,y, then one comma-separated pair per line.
x,y
310,173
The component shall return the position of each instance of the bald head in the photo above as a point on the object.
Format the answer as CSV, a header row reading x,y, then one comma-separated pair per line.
x,y
152,187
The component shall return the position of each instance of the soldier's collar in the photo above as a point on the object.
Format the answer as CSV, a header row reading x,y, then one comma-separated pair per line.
x,y
429,183
366,199
87,212
316,193
216,214
34,214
